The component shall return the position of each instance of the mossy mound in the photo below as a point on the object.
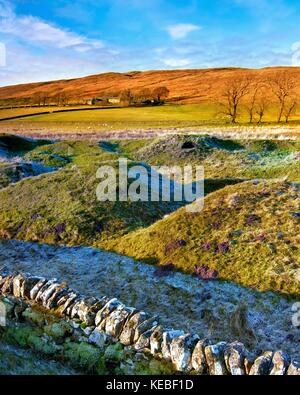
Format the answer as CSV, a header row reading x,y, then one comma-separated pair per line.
x,y
62,207
60,154
248,232
11,145
221,158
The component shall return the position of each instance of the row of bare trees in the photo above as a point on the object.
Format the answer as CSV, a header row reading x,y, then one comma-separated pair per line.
x,y
157,96
44,99
127,97
256,95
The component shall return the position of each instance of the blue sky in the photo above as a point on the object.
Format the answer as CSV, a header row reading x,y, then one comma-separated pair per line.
x,y
56,39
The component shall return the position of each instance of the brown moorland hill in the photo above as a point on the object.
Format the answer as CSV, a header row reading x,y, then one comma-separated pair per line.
x,y
186,86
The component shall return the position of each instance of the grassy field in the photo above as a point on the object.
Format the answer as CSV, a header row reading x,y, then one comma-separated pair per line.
x,y
144,117
16,112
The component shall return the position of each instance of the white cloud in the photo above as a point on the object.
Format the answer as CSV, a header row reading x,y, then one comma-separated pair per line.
x,y
176,62
181,30
34,30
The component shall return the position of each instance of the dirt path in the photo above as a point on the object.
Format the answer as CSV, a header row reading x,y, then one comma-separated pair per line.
x,y
182,301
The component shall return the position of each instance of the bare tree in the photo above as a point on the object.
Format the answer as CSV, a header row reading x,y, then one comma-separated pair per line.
x,y
282,85
262,106
289,108
144,95
57,99
160,93
44,99
64,99
126,97
37,99
251,106
235,90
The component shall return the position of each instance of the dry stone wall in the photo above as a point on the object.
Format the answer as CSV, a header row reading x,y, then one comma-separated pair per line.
x,y
105,321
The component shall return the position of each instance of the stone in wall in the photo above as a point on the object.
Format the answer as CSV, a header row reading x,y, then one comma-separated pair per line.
x,y
145,326
67,302
48,297
17,285
7,286
234,356
156,340
280,361
98,338
55,297
181,349
107,309
168,337
215,359
294,368
198,361
34,291
28,284
44,288
262,365
248,362
143,342
128,331
116,320
87,309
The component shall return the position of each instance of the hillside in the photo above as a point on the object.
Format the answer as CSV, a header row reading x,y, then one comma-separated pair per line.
x,y
248,232
221,158
62,206
186,86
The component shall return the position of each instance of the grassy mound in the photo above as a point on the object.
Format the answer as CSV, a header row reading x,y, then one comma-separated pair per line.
x,y
221,158
62,207
248,232
65,152
11,145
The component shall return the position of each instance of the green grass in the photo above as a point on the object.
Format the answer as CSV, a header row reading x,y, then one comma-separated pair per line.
x,y
221,158
263,254
62,207
17,146
15,112
170,115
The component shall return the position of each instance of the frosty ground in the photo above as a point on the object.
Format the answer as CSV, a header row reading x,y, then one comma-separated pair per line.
x,y
182,301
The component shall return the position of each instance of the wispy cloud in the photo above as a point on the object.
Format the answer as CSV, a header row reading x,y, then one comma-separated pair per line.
x,y
124,35
181,30
176,62
36,31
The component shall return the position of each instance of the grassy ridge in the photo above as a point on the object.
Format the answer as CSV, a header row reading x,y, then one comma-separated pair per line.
x,y
62,207
248,232
221,158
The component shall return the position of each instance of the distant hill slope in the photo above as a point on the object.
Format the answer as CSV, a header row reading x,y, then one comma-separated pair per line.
x,y
186,86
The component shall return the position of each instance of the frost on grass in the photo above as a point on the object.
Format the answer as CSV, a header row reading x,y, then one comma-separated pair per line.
x,y
220,310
